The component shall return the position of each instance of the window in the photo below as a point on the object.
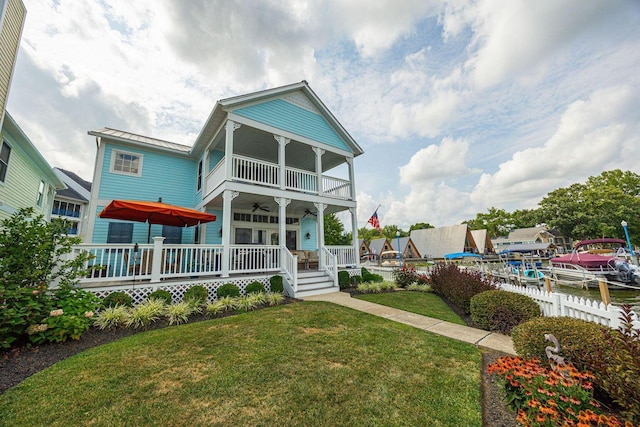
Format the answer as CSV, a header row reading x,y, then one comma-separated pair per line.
x,y
199,184
5,153
126,163
172,235
40,198
243,236
120,232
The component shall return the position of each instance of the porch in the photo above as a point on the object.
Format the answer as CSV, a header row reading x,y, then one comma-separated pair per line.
x,y
158,265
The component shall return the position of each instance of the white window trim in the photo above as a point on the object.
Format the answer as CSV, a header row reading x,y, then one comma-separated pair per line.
x,y
114,154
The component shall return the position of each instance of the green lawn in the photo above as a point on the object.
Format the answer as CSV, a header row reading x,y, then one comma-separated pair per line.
x,y
308,363
424,303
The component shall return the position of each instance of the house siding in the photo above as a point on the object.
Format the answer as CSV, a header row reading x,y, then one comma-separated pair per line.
x,y
20,189
215,156
12,14
286,116
163,175
308,225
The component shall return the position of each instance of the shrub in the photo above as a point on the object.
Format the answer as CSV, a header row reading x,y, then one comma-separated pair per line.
x,y
376,287
112,317
458,286
179,313
117,298
370,277
228,290
578,339
274,299
254,288
162,295
275,284
356,280
499,310
196,295
249,302
144,314
617,366
417,287
405,276
22,308
343,279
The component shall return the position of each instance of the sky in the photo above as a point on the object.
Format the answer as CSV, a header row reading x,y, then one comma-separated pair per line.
x,y
459,105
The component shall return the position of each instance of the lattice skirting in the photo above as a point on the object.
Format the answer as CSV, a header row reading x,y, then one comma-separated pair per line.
x,y
139,293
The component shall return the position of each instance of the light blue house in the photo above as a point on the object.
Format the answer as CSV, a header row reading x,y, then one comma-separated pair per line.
x,y
259,165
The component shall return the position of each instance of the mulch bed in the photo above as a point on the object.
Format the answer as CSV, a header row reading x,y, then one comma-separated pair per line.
x,y
20,363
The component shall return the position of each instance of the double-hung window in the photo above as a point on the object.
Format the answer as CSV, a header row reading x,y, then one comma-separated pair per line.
x,y
41,189
126,163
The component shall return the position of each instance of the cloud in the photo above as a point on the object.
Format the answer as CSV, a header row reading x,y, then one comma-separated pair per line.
x,y
591,136
437,162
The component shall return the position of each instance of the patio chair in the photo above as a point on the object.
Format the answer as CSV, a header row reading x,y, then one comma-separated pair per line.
x,y
312,259
303,261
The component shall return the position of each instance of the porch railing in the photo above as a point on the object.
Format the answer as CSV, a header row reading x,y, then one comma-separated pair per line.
x,y
257,171
330,264
290,269
346,255
248,259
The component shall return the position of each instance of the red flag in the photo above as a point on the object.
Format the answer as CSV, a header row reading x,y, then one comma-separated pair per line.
x,y
374,221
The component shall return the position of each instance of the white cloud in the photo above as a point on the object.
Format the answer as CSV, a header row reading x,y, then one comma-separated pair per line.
x,y
437,162
591,136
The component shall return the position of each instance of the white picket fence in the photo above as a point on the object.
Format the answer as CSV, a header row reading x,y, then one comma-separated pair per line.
x,y
554,304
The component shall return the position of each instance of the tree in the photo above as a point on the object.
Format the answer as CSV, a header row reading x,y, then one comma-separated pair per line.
x,y
389,231
368,234
596,208
420,226
497,222
525,218
334,234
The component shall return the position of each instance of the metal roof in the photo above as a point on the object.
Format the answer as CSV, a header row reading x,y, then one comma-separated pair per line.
x,y
119,135
437,242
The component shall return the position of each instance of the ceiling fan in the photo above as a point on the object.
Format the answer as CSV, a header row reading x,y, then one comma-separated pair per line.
x,y
257,206
308,212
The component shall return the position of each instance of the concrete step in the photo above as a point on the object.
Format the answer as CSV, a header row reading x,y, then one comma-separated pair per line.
x,y
319,291
315,285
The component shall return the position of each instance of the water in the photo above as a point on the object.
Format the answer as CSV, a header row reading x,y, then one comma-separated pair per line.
x,y
617,296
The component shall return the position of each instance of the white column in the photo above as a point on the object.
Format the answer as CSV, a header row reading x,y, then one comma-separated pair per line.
x,y
230,127
156,263
282,219
282,145
352,178
227,197
320,218
319,152
354,235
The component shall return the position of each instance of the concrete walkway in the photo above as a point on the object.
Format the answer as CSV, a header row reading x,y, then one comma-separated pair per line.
x,y
478,337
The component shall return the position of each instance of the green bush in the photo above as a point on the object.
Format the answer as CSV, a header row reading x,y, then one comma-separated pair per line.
x,y
197,295
369,277
343,279
617,365
112,317
405,276
254,288
117,298
458,286
498,310
145,314
161,294
578,339
275,284
356,280
228,290
178,313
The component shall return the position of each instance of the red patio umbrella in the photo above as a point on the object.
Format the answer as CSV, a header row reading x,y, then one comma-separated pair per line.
x,y
154,213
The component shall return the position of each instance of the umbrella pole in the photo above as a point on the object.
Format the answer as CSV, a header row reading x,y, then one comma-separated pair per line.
x,y
149,234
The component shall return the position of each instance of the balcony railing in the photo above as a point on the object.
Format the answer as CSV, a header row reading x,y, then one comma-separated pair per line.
x,y
259,172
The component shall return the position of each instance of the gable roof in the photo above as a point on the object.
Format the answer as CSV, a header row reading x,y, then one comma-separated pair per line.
x,y
376,246
436,242
526,234
77,188
482,240
234,104
135,139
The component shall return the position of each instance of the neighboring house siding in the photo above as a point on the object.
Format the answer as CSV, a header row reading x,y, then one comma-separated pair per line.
x,y
289,117
20,189
12,14
163,175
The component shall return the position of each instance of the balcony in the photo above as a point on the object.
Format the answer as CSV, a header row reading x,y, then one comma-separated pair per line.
x,y
258,172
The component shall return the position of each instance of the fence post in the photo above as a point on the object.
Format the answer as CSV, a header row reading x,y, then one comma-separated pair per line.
x,y
156,265
547,284
604,292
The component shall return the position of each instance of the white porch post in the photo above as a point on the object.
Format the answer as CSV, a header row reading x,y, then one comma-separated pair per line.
x,y
352,178
230,127
282,220
227,197
320,207
319,152
282,145
354,235
156,263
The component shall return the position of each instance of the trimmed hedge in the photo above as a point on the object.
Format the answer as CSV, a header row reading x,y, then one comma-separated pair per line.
x,y
228,290
276,285
117,298
498,310
197,294
254,288
369,277
343,279
579,339
458,286
161,294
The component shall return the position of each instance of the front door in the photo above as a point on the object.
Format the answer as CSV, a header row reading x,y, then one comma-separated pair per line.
x,y
292,241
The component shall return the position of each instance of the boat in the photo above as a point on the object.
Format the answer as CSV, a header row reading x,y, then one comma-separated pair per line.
x,y
596,260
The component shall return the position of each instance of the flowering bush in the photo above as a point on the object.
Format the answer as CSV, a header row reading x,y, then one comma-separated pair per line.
x,y
562,396
405,276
